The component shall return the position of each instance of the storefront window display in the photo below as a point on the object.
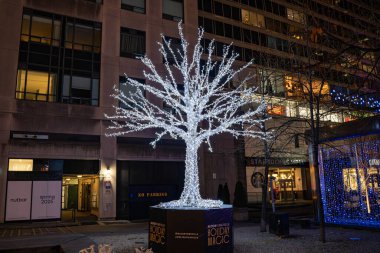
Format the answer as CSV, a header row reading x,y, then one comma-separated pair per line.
x,y
288,183
350,176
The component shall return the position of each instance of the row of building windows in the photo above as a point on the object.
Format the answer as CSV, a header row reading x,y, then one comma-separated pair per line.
x,y
330,12
171,9
59,59
293,30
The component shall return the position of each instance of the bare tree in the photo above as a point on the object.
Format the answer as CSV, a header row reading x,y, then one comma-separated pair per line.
x,y
204,108
331,53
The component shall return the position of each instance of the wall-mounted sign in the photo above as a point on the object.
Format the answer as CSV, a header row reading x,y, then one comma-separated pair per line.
x,y
46,202
18,200
276,161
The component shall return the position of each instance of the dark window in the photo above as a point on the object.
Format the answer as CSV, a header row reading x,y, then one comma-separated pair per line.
x,y
236,13
247,36
228,30
129,90
133,5
207,6
226,11
132,43
219,29
237,32
271,42
59,59
208,25
218,8
172,10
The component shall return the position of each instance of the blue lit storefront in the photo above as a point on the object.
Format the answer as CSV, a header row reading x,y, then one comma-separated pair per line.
x,y
350,175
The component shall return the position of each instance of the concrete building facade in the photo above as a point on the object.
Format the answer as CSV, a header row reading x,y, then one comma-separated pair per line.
x,y
59,63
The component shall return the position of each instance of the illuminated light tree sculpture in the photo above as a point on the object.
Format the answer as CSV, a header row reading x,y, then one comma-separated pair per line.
x,y
204,108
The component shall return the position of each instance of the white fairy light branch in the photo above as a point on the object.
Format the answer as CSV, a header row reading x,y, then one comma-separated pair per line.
x,y
204,108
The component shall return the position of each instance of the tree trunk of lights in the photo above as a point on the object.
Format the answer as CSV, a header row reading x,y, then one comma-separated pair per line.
x,y
191,194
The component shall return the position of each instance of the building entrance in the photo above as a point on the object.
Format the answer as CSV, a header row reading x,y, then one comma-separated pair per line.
x,y
80,197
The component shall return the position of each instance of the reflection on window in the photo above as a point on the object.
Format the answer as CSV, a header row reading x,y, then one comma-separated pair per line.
x,y
296,16
82,37
133,5
20,165
252,18
172,10
132,43
80,90
35,85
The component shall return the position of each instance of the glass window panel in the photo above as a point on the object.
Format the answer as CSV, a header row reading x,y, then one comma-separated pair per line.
x,y
69,33
20,87
134,5
173,8
56,32
83,83
97,38
66,86
25,28
83,35
132,43
95,92
41,30
20,165
37,85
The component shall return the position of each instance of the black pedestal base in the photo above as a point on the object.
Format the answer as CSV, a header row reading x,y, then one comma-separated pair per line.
x,y
191,230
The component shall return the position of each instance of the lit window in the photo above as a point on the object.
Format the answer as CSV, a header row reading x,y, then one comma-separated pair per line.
x,y
40,30
35,85
296,16
20,165
299,86
252,18
276,109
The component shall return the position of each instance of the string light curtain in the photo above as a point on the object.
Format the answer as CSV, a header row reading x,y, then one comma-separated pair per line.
x,y
350,182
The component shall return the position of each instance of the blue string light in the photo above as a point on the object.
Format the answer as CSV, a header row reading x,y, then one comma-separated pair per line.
x,y
369,101
350,183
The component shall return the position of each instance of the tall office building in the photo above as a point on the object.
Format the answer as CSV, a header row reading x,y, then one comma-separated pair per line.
x,y
327,46
59,63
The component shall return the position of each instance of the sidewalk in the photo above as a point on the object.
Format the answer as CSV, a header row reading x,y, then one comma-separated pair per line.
x,y
125,236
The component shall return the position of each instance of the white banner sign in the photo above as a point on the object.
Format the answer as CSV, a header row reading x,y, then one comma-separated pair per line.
x,y
46,202
18,200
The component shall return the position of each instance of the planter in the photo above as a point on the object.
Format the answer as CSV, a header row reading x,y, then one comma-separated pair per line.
x,y
191,230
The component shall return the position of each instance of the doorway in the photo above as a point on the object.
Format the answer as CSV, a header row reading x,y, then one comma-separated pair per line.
x,y
80,197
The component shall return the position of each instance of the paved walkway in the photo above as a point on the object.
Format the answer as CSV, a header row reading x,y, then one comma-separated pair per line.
x,y
125,236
